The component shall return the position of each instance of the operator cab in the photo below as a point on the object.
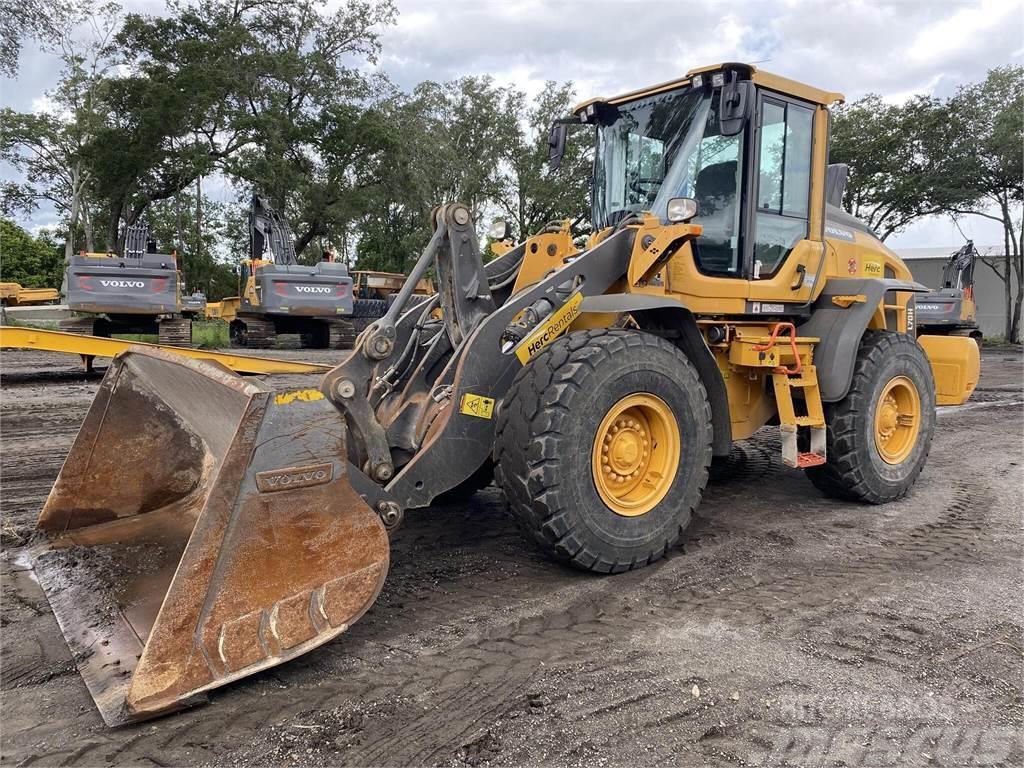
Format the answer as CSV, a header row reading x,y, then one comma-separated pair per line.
x,y
738,142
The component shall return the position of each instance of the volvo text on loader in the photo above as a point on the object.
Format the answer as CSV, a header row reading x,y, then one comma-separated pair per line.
x,y
203,528
138,291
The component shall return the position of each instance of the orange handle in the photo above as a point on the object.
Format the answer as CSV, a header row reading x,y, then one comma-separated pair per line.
x,y
779,327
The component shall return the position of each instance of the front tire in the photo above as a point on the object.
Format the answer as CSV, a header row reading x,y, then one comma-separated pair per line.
x,y
879,435
603,448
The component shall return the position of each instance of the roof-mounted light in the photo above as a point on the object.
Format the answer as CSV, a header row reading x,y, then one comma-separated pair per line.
x,y
697,81
718,80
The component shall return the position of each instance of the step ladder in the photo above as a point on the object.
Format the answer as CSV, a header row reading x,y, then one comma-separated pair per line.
x,y
803,376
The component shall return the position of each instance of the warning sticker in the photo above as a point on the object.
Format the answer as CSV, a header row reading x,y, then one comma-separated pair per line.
x,y
299,395
557,324
477,405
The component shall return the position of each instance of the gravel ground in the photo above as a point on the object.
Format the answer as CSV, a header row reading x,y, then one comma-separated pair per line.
x,y
791,630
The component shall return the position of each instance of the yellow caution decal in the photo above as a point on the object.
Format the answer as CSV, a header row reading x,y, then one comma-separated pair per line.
x,y
477,405
873,268
301,395
557,324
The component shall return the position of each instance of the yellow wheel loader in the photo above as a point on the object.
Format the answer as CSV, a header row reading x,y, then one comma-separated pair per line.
x,y
203,529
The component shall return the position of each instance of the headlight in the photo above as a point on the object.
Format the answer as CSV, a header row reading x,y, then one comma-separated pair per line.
x,y
499,230
681,209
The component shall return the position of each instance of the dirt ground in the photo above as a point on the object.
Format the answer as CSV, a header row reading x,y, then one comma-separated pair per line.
x,y
793,630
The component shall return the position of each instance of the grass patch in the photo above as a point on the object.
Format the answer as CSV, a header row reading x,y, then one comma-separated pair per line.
x,y
210,334
45,325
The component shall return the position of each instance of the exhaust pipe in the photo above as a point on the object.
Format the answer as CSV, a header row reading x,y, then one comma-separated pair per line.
x,y
202,529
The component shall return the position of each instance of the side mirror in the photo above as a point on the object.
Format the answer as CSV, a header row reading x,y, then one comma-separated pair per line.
x,y
556,144
736,106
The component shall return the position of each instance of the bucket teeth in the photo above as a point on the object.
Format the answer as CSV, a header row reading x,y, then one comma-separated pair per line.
x,y
202,529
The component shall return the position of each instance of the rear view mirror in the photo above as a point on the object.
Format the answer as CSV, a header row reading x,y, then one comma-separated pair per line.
x,y
736,106
556,144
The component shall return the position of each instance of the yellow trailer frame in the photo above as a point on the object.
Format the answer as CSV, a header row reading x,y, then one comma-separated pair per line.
x,y
89,347
14,295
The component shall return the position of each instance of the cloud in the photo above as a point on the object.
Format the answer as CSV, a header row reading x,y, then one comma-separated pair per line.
x,y
608,47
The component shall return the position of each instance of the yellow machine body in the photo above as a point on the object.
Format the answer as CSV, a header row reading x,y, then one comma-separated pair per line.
x,y
14,295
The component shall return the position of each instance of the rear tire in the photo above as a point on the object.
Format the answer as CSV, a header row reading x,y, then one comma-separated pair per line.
x,y
864,464
548,444
371,308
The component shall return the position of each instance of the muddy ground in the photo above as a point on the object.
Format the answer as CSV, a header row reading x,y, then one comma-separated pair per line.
x,y
792,629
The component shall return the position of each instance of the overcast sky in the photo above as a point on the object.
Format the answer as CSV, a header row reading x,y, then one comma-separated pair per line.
x,y
895,48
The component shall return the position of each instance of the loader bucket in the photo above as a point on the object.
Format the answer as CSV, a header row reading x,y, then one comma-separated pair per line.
x,y
202,529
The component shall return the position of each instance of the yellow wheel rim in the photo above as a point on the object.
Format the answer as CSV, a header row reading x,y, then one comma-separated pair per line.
x,y
897,420
636,454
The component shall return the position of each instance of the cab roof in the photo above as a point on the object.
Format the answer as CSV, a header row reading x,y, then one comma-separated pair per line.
x,y
759,77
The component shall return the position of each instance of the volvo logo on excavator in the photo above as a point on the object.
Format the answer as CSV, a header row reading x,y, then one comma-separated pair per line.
x,y
122,284
313,288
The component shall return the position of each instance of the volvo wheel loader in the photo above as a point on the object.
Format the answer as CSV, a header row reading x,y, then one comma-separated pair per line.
x,y
203,528
138,291
278,295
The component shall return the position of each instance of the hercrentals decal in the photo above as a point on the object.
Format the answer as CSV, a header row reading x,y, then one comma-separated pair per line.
x,y
122,284
313,288
558,322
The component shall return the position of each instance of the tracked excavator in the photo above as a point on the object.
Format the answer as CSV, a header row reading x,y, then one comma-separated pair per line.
x,y
204,528
136,291
951,309
278,295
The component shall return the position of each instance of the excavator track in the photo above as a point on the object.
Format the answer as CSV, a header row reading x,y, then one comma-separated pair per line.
x,y
342,334
176,332
254,334
83,326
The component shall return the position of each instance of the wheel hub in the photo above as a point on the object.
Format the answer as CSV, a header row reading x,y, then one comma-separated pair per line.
x,y
636,454
897,420
625,450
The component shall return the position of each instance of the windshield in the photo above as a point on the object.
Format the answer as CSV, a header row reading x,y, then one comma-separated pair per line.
x,y
667,146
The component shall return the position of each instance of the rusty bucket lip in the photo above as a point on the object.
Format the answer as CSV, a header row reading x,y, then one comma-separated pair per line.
x,y
208,368
155,624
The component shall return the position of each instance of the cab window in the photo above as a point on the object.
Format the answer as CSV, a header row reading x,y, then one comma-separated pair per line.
x,y
784,178
717,172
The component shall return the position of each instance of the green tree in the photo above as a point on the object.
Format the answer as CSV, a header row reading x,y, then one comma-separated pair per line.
x,y
205,262
452,139
50,148
34,262
896,154
42,21
531,195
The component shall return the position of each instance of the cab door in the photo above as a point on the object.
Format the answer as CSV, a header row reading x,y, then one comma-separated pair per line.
x,y
784,247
